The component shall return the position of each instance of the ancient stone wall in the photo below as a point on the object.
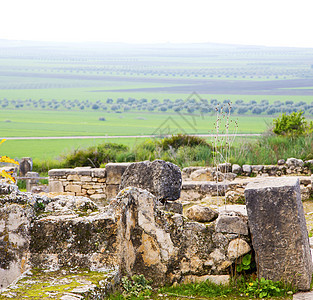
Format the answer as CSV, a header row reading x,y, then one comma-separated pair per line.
x,y
79,182
133,234
102,185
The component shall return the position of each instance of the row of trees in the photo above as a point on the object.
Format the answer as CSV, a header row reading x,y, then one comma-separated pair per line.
x,y
204,106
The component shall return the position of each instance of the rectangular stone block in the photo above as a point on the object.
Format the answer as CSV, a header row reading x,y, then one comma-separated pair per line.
x,y
114,172
98,172
111,191
73,177
61,172
55,186
73,188
85,178
279,234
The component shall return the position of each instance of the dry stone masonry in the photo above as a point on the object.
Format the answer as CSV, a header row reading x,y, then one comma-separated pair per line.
x,y
79,182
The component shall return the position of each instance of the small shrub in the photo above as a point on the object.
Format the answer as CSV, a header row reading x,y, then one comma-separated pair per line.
x,y
176,141
292,125
94,156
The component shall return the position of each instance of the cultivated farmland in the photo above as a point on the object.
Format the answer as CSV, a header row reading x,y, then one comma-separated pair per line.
x,y
49,89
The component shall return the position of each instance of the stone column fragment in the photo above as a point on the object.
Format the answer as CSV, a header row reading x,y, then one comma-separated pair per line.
x,y
279,234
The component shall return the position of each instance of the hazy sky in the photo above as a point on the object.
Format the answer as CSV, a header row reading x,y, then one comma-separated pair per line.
x,y
259,22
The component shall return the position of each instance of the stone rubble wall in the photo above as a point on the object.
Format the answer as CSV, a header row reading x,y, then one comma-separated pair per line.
x,y
73,232
102,185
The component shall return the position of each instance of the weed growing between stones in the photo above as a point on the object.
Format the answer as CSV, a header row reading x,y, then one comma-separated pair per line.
x,y
138,286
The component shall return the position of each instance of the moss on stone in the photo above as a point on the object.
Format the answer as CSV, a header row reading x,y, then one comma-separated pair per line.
x,y
40,284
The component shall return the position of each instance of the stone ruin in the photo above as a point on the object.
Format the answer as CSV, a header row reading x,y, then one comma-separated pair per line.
x,y
143,230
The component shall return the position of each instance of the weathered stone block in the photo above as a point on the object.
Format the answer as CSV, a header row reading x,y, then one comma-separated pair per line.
x,y
111,191
55,186
202,175
85,178
201,213
114,172
162,179
236,169
237,248
232,224
14,241
73,177
99,173
280,237
73,188
60,172
26,165
247,169
88,242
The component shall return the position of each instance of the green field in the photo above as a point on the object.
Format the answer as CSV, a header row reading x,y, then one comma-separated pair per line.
x,y
76,123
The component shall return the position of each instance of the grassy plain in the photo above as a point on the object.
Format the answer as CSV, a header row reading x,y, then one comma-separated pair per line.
x,y
25,123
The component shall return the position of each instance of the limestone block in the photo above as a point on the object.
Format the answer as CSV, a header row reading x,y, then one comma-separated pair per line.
x,y
101,180
174,207
86,242
114,172
60,172
73,188
111,190
231,223
32,182
14,241
280,237
294,162
236,169
99,173
237,248
85,178
224,167
257,168
26,165
88,186
246,169
91,191
73,177
202,175
83,171
162,179
201,213
55,186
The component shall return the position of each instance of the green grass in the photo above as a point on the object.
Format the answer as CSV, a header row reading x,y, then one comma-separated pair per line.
x,y
76,123
54,149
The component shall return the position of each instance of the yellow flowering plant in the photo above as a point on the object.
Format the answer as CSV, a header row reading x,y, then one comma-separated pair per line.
x,y
7,159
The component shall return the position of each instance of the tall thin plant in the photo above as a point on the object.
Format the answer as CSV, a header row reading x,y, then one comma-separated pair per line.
x,y
223,138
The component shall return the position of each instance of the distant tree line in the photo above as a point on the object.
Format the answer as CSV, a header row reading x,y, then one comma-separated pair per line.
x,y
196,106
